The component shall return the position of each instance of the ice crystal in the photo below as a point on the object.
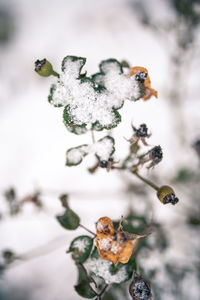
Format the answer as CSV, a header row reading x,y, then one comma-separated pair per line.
x,y
93,100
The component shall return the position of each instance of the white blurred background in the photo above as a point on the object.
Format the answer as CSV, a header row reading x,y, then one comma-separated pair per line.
x,y
33,138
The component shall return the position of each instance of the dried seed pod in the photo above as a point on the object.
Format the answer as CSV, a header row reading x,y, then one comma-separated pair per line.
x,y
167,195
142,131
155,156
139,288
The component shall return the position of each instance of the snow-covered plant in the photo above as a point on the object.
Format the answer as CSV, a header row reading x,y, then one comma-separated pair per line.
x,y
93,103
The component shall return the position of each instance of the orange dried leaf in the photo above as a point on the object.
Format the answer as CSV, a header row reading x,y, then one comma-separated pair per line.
x,y
112,245
149,92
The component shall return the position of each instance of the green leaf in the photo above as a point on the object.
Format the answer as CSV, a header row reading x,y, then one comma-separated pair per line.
x,y
83,287
69,220
74,156
81,248
108,271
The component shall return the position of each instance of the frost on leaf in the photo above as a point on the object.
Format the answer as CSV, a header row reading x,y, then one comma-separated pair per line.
x,y
112,245
81,248
93,100
103,148
106,270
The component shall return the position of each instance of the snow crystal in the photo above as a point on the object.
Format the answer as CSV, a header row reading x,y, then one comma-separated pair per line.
x,y
101,268
81,244
87,104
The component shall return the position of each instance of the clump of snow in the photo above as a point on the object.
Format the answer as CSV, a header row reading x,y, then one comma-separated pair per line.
x,y
87,104
101,268
102,148
81,244
75,155
120,85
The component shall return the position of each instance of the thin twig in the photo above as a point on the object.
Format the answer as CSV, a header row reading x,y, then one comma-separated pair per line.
x,y
93,137
80,225
150,183
102,292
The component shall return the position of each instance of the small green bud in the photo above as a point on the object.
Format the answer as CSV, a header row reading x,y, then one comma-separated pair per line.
x,y
167,195
44,68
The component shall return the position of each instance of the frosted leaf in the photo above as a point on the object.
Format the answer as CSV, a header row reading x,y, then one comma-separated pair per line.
x,y
103,148
81,248
77,129
75,155
81,244
93,100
